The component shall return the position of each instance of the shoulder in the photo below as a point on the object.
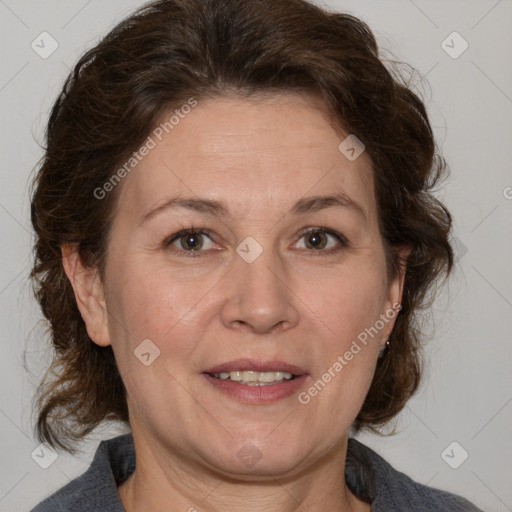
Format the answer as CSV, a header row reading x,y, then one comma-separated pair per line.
x,y
393,490
96,489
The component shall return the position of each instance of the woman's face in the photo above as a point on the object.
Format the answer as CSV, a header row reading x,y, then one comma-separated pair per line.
x,y
253,293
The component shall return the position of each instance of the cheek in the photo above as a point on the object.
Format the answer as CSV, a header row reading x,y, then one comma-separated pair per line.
x,y
151,298
350,301
154,333
346,352
345,358
150,301
144,306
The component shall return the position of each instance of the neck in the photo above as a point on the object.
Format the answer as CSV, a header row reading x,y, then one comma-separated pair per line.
x,y
163,482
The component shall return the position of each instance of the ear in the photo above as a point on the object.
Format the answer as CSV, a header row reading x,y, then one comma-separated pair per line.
x,y
396,287
89,294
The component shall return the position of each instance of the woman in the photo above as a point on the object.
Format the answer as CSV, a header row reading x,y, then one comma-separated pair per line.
x,y
235,228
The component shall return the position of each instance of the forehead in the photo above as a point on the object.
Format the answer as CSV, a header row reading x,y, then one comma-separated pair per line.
x,y
252,154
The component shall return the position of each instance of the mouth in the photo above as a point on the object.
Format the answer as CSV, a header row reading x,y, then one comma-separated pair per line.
x,y
252,381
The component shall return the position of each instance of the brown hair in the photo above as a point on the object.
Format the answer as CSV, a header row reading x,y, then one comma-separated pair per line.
x,y
165,53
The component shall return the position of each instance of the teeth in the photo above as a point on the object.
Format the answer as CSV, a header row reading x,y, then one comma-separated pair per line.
x,y
253,378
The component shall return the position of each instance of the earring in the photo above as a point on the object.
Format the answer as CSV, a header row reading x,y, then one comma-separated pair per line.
x,y
384,350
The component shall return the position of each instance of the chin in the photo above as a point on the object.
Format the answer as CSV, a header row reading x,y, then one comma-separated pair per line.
x,y
244,458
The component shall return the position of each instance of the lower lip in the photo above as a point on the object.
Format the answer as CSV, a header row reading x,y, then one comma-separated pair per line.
x,y
257,394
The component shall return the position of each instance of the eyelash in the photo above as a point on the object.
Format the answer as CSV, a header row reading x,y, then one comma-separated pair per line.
x,y
343,243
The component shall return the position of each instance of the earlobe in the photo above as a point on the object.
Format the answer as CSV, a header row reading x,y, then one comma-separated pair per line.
x,y
89,294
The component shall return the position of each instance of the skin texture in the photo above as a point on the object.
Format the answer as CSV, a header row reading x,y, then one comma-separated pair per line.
x,y
294,303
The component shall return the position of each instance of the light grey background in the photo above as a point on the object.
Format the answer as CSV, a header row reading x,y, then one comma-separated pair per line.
x,y
467,390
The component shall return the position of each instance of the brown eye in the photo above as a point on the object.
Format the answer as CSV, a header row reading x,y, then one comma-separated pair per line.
x,y
322,240
315,240
190,240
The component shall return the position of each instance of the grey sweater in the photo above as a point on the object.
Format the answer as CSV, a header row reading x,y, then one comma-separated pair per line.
x,y
367,474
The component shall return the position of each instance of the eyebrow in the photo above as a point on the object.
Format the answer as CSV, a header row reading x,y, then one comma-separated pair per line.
x,y
216,209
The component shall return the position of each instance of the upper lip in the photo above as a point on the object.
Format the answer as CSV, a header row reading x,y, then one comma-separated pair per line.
x,y
259,366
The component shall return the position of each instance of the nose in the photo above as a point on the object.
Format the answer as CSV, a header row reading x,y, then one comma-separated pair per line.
x,y
260,298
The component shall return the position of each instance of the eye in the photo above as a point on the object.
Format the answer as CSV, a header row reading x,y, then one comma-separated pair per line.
x,y
191,240
322,239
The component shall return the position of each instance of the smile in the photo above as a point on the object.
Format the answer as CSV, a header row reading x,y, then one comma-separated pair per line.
x,y
254,378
